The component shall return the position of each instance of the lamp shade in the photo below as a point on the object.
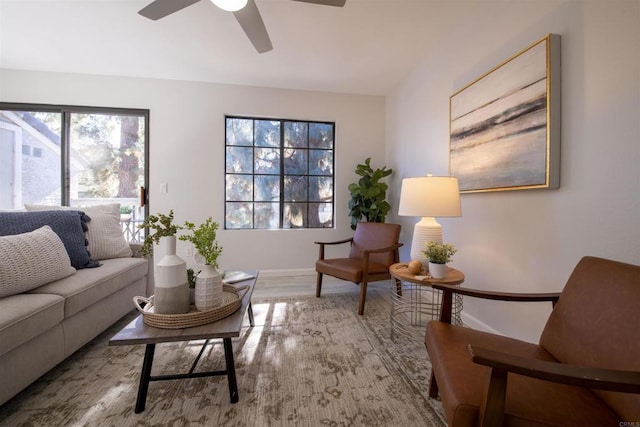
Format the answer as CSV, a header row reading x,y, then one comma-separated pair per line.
x,y
430,196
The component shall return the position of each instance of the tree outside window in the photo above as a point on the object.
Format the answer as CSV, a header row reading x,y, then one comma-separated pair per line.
x,y
279,174
74,156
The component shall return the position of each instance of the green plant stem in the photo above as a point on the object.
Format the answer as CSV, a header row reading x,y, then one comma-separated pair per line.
x,y
162,226
203,238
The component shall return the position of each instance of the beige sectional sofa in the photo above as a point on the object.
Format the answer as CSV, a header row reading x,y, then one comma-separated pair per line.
x,y
41,327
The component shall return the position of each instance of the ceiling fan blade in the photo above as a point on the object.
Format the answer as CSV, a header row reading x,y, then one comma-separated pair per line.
x,y
161,8
337,3
251,22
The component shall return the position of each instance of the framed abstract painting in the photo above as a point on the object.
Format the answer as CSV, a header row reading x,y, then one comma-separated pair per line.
x,y
505,125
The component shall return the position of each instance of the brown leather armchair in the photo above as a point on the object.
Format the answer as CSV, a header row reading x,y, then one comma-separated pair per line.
x,y
373,248
584,371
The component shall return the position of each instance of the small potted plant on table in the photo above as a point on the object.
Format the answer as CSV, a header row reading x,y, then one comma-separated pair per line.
x,y
156,227
208,281
171,291
438,254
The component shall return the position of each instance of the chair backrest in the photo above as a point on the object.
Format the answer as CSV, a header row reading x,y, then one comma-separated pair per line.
x,y
376,235
596,323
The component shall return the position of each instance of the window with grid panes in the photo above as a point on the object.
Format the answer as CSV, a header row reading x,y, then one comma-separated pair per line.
x,y
278,173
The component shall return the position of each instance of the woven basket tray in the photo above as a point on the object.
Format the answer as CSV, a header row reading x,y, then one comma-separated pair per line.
x,y
231,301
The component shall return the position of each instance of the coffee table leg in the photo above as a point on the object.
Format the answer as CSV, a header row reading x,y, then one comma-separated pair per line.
x,y
144,377
251,322
231,370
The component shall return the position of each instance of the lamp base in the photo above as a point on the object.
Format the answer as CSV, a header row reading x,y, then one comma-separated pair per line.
x,y
426,230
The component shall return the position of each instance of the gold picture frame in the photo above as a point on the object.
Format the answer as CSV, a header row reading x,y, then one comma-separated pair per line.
x,y
504,127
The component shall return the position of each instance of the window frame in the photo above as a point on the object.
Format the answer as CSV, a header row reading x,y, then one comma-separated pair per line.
x,y
65,112
282,173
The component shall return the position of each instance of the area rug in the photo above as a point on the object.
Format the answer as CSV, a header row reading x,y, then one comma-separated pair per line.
x,y
307,362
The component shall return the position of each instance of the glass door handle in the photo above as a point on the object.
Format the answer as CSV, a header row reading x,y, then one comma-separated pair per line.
x,y
143,196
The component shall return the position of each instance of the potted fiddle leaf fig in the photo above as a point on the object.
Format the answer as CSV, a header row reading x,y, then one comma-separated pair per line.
x,y
368,195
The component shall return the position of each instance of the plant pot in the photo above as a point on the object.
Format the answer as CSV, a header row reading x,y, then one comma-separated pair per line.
x,y
208,288
437,271
171,289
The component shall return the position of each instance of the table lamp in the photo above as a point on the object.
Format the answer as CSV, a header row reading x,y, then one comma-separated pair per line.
x,y
428,197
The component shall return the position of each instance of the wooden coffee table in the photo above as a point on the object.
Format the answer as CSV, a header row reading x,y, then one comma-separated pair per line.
x,y
137,332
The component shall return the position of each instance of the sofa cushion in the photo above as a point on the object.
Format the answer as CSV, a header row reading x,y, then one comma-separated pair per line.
x,y
529,401
70,226
87,287
25,316
32,259
104,232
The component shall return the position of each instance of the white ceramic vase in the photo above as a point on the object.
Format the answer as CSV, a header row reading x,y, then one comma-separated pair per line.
x,y
171,288
208,288
437,271
159,252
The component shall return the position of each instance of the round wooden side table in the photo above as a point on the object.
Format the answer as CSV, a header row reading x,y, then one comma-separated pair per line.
x,y
414,302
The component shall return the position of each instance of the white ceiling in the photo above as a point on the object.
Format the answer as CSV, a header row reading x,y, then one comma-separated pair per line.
x,y
366,47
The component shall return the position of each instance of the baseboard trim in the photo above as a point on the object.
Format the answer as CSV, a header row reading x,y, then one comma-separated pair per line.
x,y
288,273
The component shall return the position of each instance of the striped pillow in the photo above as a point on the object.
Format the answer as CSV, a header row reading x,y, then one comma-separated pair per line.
x,y
105,233
32,259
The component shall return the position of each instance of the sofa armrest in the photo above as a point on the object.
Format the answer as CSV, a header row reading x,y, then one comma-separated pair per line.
x,y
449,290
501,364
136,247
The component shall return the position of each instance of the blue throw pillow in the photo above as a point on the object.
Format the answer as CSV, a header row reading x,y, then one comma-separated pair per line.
x,y
70,226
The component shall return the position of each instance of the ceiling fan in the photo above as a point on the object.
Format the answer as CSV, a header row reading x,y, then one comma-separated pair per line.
x,y
245,11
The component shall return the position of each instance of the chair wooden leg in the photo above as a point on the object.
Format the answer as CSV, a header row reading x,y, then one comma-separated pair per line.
x,y
433,386
363,296
318,285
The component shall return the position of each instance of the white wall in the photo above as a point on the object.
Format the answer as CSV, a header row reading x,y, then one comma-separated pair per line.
x,y
187,147
529,241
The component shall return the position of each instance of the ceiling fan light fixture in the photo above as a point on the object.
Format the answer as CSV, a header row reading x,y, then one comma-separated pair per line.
x,y
230,5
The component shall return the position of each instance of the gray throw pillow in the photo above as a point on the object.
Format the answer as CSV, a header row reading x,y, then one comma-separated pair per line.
x,y
70,226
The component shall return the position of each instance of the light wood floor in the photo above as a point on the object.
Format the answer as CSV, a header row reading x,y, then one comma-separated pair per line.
x,y
305,285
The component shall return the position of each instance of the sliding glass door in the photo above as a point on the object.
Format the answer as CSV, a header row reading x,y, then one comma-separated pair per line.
x,y
75,156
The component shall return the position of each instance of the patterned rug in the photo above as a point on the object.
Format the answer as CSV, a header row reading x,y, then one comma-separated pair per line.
x,y
307,362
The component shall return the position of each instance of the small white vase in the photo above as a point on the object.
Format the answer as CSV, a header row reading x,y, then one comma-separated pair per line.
x,y
437,271
208,288
171,288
